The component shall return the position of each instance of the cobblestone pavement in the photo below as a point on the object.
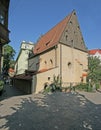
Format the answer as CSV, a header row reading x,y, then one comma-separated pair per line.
x,y
54,111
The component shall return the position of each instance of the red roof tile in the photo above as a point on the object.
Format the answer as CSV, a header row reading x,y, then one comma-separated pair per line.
x,y
92,52
52,37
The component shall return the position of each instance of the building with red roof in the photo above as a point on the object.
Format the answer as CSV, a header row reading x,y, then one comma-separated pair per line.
x,y
95,52
59,52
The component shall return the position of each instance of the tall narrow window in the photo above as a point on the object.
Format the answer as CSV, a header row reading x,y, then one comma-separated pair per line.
x,y
1,17
66,37
51,61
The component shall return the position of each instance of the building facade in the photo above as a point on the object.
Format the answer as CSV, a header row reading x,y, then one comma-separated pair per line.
x,y
21,63
4,32
61,51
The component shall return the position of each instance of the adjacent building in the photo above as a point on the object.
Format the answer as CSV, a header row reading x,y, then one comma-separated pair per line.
x,y
95,52
4,32
21,63
20,79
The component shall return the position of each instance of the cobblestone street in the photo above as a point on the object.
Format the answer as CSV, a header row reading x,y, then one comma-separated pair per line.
x,y
54,111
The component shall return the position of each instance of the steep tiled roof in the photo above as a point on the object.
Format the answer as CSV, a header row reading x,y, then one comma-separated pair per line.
x,y
94,51
51,38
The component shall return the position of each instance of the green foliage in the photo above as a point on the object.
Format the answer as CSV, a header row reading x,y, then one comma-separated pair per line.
x,y
94,67
8,61
1,85
84,87
88,87
54,86
47,90
57,82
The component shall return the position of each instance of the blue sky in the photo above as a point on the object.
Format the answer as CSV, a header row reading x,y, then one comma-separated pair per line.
x,y
28,19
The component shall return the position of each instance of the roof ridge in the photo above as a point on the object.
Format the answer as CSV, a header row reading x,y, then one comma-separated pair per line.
x,y
51,37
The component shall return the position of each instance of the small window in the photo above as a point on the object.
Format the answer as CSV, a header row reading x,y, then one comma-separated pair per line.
x,y
47,43
48,78
38,48
69,65
74,13
66,37
45,62
71,41
51,61
78,26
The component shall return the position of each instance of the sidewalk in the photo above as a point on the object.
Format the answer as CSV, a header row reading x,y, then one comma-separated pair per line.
x,y
94,97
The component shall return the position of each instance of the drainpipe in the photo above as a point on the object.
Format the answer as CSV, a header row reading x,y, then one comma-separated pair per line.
x,y
55,56
2,57
61,61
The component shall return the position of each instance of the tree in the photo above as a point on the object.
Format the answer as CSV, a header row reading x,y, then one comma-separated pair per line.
x,y
94,67
9,54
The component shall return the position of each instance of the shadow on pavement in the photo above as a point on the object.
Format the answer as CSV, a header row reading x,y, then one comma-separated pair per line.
x,y
62,111
10,91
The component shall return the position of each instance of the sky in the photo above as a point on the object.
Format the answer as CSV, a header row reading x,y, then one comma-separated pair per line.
x,y
28,19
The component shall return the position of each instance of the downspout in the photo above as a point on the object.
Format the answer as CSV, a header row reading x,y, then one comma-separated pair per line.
x,y
1,57
55,56
61,61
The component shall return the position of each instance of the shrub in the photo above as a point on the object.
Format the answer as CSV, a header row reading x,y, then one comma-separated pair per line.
x,y
1,85
84,87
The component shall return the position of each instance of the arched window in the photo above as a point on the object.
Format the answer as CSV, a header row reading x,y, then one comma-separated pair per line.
x,y
51,61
